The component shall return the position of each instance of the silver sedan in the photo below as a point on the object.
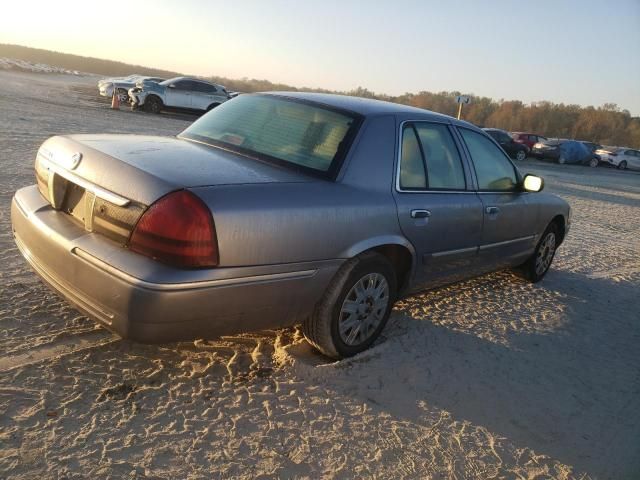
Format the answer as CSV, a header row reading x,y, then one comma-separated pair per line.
x,y
276,209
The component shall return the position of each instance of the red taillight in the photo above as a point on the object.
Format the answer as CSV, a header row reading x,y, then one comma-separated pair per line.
x,y
178,229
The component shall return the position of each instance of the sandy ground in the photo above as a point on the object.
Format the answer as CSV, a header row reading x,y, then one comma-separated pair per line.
x,y
490,378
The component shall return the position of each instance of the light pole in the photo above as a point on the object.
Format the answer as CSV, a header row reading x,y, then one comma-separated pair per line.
x,y
462,100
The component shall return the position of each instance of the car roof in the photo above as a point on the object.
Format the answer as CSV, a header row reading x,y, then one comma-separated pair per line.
x,y
495,130
362,106
175,79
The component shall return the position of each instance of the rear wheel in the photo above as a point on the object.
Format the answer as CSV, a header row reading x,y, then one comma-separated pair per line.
x,y
354,308
622,165
562,160
212,106
153,104
536,267
521,155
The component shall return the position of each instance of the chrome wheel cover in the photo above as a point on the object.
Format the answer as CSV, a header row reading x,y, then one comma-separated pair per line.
x,y
546,251
363,309
521,155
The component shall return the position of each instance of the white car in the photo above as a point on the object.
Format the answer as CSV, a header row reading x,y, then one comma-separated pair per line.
x,y
180,93
123,84
620,157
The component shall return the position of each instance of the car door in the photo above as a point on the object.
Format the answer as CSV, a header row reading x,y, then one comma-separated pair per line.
x,y
632,158
436,211
509,217
506,142
201,96
178,94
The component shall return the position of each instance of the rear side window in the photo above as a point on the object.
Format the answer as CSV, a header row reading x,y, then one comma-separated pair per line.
x,y
430,159
444,166
205,88
493,168
412,172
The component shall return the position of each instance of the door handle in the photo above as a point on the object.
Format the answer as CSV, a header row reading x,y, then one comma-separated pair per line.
x,y
492,210
420,213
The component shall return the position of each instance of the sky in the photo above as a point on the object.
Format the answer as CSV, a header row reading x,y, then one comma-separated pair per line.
x,y
585,52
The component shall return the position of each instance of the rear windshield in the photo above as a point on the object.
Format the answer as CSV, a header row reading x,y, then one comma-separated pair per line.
x,y
290,132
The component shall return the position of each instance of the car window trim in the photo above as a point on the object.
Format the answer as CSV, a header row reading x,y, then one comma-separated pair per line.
x,y
473,166
400,132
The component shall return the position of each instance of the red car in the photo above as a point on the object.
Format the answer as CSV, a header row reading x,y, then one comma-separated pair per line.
x,y
528,139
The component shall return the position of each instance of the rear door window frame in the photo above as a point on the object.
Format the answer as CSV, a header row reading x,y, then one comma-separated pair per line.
x,y
468,179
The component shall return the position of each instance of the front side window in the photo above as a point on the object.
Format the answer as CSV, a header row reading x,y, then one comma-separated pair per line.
x,y
289,132
183,85
493,168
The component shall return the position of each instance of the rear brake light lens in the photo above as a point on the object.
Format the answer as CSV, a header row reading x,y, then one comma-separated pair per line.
x,y
178,229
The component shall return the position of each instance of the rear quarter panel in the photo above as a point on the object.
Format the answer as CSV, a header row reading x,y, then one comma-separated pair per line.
x,y
319,220
297,222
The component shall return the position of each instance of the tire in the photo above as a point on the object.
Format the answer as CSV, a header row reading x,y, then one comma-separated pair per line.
x,y
561,160
593,163
153,104
212,106
332,328
521,155
123,95
537,266
622,165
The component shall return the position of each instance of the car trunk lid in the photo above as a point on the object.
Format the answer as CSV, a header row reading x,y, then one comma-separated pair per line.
x,y
106,182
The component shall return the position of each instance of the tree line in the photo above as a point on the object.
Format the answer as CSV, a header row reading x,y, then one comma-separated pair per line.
x,y
607,124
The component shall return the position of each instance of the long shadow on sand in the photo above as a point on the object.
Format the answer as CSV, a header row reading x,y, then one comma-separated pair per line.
x,y
568,387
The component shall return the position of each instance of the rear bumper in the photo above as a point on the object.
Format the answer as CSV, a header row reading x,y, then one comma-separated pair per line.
x,y
140,299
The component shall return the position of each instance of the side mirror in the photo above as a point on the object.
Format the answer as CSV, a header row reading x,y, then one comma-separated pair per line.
x,y
171,85
532,183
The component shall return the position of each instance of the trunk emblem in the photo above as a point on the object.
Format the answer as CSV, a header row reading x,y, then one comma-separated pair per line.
x,y
76,158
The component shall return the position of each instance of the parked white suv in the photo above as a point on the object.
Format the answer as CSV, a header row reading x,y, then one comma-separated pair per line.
x,y
182,93
620,157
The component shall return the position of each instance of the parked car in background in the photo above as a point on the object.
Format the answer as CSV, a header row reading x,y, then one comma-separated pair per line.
x,y
620,157
565,151
275,209
528,139
514,149
122,85
180,93
591,145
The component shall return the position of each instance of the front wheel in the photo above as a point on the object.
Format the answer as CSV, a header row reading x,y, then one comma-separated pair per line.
x,y
354,308
622,165
536,267
123,95
562,160
521,155
593,162
153,105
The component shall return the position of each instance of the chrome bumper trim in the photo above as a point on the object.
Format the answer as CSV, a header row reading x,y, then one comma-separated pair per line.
x,y
224,282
